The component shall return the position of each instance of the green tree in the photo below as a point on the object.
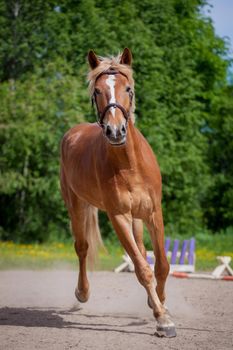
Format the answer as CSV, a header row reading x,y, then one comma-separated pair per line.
x,y
35,114
218,203
183,105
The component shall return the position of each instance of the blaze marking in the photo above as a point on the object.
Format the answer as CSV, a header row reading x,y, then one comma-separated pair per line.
x,y
110,81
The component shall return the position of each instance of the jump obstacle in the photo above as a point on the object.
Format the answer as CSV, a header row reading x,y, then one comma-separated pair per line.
x,y
221,272
182,263
180,260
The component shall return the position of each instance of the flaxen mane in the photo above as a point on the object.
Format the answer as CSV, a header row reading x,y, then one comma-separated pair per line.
x,y
105,64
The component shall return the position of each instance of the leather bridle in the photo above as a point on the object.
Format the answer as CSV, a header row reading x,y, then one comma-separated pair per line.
x,y
102,114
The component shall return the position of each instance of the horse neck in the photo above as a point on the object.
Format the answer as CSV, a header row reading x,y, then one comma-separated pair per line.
x,y
125,156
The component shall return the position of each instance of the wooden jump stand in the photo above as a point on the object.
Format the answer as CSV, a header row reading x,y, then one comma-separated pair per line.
x,y
221,272
182,263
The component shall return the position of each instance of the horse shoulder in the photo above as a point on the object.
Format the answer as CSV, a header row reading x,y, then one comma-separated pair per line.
x,y
148,164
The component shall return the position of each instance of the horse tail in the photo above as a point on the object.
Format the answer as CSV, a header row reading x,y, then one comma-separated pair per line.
x,y
93,235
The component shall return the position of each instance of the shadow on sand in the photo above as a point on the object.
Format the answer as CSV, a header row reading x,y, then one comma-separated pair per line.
x,y
31,317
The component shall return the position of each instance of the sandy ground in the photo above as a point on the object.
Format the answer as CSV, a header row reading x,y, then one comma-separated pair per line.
x,y
38,311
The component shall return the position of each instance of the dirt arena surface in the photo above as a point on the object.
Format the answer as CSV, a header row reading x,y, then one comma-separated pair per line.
x,y
38,310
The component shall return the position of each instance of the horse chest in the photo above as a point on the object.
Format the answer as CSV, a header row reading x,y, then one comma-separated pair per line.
x,y
142,203
130,195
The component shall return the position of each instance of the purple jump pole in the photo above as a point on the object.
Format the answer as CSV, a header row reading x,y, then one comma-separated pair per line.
x,y
167,245
174,251
183,251
191,251
150,260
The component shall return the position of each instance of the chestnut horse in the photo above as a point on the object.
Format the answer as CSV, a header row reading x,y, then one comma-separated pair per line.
x,y
109,166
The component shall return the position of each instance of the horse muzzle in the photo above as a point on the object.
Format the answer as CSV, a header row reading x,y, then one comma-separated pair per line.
x,y
116,136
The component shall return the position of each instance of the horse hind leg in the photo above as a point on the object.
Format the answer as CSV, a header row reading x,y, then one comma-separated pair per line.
x,y
84,223
81,247
155,226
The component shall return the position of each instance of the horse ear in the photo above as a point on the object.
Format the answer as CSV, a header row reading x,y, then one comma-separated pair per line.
x,y
93,59
126,57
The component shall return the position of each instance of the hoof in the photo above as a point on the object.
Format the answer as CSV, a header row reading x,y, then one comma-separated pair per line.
x,y
82,296
165,327
167,332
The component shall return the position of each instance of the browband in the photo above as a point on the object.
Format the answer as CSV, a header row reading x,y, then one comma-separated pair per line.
x,y
111,71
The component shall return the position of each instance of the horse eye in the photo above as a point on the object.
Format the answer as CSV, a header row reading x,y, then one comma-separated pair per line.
x,y
128,89
97,91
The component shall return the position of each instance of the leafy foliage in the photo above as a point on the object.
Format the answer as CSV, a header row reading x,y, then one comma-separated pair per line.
x,y
35,115
184,106
218,203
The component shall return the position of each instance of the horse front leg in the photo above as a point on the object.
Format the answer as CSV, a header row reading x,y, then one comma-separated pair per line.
x,y
161,269
138,236
123,225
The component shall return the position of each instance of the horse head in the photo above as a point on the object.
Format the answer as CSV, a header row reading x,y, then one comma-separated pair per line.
x,y
112,93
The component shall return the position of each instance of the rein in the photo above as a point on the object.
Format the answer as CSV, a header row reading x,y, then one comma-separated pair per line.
x,y
102,114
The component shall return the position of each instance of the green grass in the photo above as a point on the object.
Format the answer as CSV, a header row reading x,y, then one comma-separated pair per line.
x,y
51,255
211,246
62,255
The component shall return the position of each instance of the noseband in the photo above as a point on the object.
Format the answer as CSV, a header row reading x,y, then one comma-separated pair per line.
x,y
102,114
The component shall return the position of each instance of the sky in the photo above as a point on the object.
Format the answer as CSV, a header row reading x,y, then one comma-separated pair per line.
x,y
222,16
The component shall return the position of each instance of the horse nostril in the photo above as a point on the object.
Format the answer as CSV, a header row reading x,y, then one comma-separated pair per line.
x,y
108,131
123,130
